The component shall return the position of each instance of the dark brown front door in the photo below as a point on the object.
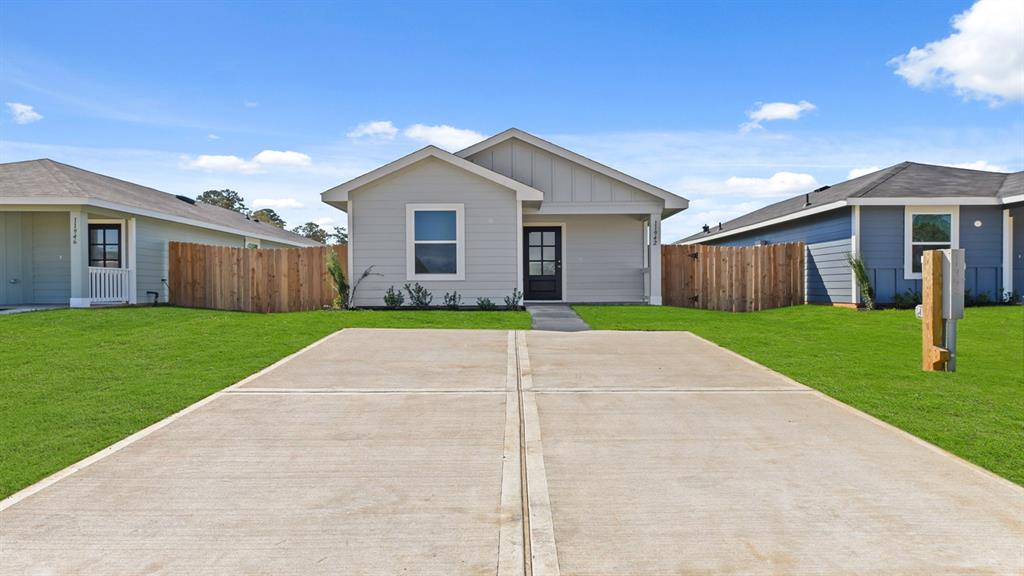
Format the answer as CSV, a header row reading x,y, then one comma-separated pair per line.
x,y
542,266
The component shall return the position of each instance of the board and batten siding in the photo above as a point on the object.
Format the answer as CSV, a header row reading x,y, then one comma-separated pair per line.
x,y
35,252
563,182
828,240
151,238
604,256
882,247
378,234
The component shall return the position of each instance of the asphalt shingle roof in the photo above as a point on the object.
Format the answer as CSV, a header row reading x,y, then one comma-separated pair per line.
x,y
903,180
48,178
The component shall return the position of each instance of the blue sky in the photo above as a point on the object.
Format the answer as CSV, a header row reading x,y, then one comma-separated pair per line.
x,y
267,99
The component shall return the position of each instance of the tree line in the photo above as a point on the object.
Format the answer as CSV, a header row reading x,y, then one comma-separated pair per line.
x,y
232,200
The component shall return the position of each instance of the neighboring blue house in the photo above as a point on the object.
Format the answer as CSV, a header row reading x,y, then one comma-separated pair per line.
x,y
889,217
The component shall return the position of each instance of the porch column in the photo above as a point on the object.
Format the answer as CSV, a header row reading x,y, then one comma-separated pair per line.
x,y
654,261
133,291
1007,252
78,259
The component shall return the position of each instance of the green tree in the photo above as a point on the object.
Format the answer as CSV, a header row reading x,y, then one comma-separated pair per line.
x,y
268,216
313,231
225,199
339,235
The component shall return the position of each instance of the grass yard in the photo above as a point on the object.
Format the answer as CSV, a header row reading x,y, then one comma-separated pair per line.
x,y
871,360
75,381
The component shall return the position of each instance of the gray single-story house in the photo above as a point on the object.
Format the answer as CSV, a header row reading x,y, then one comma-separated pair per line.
x,y
889,217
513,212
76,238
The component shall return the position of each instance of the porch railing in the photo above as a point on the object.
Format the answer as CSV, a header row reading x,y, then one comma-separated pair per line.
x,y
108,285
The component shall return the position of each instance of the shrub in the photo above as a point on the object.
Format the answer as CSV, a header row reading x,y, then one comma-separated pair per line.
x,y
419,297
485,304
338,276
860,272
512,302
907,299
453,300
394,298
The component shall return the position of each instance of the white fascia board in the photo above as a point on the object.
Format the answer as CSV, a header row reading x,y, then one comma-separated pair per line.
x,y
1013,199
772,222
933,201
77,201
341,192
672,201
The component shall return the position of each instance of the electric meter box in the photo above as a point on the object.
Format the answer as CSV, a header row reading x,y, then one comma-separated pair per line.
x,y
954,268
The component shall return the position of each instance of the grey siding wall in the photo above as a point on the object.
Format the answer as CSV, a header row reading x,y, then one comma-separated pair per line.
x,y
51,258
34,251
562,181
827,236
379,236
604,256
152,236
1018,249
882,246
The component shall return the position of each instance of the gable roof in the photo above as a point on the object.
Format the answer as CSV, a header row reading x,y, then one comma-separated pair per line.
x,y
673,202
903,183
46,181
338,196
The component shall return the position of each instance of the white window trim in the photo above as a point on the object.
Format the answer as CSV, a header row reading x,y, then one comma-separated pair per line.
x,y
410,241
908,217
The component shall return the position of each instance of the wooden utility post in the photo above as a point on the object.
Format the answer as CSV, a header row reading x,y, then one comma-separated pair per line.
x,y
933,356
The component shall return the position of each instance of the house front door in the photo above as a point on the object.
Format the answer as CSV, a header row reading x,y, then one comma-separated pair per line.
x,y
542,252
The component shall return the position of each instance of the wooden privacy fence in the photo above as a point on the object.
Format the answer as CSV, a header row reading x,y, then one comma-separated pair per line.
x,y
737,279
251,279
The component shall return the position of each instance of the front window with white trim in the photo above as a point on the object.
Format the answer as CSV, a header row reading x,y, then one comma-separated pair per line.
x,y
435,249
927,228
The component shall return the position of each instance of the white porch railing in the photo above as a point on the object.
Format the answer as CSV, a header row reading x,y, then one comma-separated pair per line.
x,y
108,285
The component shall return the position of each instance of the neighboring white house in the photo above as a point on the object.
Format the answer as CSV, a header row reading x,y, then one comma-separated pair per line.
x,y
73,237
511,212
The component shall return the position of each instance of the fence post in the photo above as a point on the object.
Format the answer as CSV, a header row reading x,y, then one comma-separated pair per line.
x,y
933,356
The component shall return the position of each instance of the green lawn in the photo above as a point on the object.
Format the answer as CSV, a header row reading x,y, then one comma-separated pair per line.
x,y
75,381
871,360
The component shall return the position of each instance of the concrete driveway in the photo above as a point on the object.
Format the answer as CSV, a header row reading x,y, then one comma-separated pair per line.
x,y
469,452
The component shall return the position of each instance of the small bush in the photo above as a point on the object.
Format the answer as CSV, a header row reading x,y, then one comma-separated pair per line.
x,y
1012,297
860,272
485,304
338,277
394,298
453,300
907,299
512,302
419,297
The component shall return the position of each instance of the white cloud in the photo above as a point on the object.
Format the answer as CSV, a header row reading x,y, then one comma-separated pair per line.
x,y
858,172
212,137
778,184
769,111
277,203
981,165
250,104
983,59
324,221
382,129
282,158
23,113
443,136
259,162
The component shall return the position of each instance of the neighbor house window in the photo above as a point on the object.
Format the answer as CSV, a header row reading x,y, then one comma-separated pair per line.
x,y
435,247
927,228
105,245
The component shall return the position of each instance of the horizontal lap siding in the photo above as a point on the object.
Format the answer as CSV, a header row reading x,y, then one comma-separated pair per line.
x,y
1017,255
827,236
152,236
379,236
604,256
882,247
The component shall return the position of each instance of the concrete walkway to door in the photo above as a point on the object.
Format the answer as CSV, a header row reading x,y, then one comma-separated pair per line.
x,y
555,317
423,451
